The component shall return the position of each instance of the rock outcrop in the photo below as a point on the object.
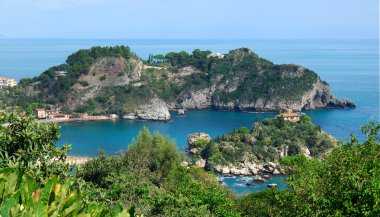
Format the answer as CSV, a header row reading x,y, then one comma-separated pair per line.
x,y
194,137
248,169
155,109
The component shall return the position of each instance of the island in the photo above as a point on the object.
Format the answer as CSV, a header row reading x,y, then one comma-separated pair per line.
x,y
113,80
259,151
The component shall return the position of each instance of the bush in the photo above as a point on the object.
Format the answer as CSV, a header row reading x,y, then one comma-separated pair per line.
x,y
103,77
21,195
30,145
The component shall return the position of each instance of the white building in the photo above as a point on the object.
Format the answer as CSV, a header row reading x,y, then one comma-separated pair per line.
x,y
11,82
218,55
5,82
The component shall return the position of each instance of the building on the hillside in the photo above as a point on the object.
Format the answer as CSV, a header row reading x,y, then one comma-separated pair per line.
x,y
218,55
292,117
5,82
40,113
61,73
52,111
11,82
59,116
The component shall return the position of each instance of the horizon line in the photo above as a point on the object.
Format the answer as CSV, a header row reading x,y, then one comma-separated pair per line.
x,y
84,38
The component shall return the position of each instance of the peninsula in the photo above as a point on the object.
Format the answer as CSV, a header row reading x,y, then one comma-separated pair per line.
x,y
113,80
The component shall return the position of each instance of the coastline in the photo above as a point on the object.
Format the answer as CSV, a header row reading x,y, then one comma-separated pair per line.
x,y
76,119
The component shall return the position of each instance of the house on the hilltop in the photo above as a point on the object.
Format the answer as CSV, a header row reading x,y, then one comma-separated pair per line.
x,y
292,117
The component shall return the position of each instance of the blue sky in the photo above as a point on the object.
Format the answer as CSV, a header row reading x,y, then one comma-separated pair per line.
x,y
219,19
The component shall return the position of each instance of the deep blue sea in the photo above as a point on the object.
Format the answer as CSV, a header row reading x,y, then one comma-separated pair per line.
x,y
351,67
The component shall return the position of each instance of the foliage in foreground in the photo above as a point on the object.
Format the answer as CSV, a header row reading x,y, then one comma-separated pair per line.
x,y
30,145
345,183
21,195
149,175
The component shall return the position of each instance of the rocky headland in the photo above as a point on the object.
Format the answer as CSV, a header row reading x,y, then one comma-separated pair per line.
x,y
104,80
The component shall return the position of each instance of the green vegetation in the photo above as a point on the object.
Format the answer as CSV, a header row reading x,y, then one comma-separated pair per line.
x,y
345,183
21,195
30,146
149,176
148,179
264,141
239,76
56,87
35,180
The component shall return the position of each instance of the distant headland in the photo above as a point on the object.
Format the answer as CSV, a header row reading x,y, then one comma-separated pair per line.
x,y
113,80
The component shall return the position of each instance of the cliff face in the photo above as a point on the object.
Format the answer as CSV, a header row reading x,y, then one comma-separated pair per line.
x,y
155,109
241,80
318,97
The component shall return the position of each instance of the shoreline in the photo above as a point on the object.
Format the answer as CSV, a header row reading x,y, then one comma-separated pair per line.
x,y
75,119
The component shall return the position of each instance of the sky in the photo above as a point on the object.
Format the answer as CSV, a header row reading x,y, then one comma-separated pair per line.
x,y
192,19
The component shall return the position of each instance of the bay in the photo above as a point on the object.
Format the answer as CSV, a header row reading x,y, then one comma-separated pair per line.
x,y
351,67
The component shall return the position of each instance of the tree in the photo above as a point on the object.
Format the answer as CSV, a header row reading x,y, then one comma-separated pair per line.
x,y
345,183
154,152
30,145
21,195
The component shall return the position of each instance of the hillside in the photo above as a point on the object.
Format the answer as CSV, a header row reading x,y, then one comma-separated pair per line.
x,y
113,80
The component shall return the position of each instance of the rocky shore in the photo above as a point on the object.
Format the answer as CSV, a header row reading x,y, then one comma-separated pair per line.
x,y
261,172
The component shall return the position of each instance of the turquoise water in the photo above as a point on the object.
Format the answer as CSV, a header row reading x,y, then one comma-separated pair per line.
x,y
114,135
351,67
239,183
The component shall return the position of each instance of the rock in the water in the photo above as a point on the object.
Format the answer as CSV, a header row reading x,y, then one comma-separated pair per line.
x,y
254,171
250,184
276,172
192,138
181,112
200,163
266,177
258,179
273,185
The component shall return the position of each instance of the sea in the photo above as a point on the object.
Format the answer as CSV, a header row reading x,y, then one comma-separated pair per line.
x,y
351,67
